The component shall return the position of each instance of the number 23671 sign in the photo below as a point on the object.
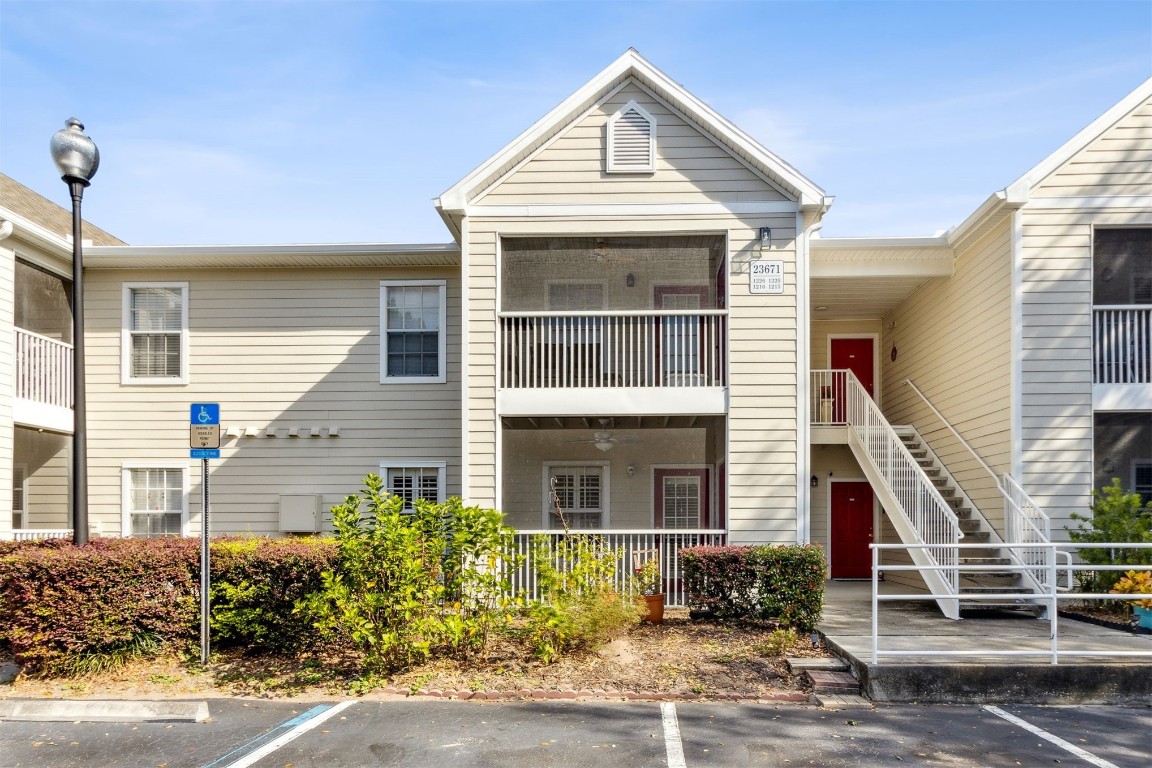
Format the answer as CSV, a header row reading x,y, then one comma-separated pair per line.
x,y
766,276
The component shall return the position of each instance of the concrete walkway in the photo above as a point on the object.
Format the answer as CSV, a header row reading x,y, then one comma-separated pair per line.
x,y
918,626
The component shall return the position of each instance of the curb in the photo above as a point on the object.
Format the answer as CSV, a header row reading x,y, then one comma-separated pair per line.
x,y
103,711
570,694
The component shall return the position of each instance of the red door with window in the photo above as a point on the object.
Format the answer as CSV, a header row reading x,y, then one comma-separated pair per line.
x,y
858,356
851,530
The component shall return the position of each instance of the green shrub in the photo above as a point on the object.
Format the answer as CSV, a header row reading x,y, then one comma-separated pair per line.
x,y
70,609
408,586
1117,517
580,606
785,583
256,584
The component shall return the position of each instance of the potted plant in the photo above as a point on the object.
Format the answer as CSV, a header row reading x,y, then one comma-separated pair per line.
x,y
649,585
1137,583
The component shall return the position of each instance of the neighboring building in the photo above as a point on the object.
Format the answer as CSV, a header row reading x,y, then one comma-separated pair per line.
x,y
636,321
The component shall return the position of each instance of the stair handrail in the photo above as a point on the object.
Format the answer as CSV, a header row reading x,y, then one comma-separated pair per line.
x,y
1021,512
957,435
923,506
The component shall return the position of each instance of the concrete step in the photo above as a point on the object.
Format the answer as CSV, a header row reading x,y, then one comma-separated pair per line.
x,y
967,525
799,665
833,681
971,560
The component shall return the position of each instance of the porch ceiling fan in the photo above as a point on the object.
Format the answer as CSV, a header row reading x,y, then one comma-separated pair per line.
x,y
602,438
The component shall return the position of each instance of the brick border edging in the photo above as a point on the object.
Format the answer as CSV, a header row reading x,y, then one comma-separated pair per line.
x,y
541,694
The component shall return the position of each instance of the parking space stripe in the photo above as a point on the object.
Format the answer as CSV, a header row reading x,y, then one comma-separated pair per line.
x,y
672,743
1088,756
297,726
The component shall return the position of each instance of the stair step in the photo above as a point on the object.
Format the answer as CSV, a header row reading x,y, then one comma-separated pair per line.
x,y
832,681
984,560
969,589
976,537
971,526
796,665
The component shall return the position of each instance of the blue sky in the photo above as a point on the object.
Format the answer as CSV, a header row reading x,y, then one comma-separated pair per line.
x,y
332,121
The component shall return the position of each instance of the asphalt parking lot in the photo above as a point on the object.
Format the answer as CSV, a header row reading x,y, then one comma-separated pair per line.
x,y
418,734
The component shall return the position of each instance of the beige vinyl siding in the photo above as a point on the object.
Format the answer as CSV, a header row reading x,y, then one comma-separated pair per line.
x,y
1119,162
762,362
1056,361
690,167
277,349
953,340
7,382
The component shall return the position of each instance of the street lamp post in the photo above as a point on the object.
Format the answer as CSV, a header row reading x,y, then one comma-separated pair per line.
x,y
77,158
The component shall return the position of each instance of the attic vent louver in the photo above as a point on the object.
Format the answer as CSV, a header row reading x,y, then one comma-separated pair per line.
x,y
631,140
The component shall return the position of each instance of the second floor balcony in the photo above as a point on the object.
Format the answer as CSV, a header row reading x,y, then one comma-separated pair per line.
x,y
656,361
43,382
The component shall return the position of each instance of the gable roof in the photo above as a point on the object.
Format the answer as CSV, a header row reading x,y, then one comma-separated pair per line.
x,y
42,212
631,65
1020,190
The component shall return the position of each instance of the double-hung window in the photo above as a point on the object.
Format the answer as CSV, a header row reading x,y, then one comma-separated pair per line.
x,y
412,331
155,500
155,334
576,493
414,480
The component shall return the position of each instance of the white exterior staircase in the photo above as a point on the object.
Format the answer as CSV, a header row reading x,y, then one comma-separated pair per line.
x,y
932,514
988,574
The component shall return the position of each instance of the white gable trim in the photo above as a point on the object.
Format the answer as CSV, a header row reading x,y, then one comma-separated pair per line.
x,y
1019,190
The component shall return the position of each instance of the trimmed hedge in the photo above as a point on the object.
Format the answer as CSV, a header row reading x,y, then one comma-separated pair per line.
x,y
765,582
66,609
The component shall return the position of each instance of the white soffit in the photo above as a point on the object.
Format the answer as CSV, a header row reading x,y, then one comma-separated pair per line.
x,y
859,298
916,257
272,256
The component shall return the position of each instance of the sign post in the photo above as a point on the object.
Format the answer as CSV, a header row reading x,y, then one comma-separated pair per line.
x,y
204,441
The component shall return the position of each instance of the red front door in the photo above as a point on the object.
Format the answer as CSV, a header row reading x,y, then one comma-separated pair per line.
x,y
851,530
856,355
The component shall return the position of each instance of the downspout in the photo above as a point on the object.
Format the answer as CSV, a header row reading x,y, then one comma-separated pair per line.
x,y
803,366
465,415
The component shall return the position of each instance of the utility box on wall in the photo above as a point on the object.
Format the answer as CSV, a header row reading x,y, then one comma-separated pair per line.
x,y
300,514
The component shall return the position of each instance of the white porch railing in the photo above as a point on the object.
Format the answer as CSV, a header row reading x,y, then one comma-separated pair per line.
x,y
630,543
658,348
1051,596
43,369
1122,344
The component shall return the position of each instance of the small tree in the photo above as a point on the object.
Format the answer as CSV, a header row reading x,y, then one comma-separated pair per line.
x,y
409,585
1117,517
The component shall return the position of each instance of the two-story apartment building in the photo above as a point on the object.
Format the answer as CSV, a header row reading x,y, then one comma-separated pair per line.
x,y
635,327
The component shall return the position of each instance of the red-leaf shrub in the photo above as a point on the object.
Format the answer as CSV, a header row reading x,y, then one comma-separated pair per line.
x,y
67,609
764,581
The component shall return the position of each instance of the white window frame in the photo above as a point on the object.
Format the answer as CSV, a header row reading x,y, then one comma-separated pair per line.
x,y
605,491
126,510
20,472
126,376
442,346
441,468
612,165
1137,465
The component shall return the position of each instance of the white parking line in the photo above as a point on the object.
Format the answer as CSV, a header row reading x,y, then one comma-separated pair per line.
x,y
672,744
299,725
1091,758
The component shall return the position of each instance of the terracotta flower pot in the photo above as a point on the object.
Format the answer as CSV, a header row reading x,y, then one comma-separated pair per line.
x,y
655,608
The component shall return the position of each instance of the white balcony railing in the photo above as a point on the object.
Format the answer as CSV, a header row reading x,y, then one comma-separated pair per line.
x,y
659,348
43,369
1122,344
631,545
